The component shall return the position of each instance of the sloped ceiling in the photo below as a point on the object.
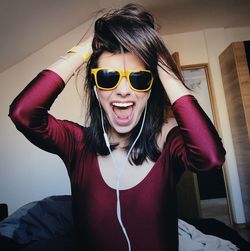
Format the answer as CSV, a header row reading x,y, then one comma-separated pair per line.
x,y
28,25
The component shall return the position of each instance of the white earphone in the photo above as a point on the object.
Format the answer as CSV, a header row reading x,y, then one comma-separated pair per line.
x,y
120,170
96,93
104,132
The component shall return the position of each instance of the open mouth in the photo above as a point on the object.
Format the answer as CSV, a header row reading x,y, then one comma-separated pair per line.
x,y
123,110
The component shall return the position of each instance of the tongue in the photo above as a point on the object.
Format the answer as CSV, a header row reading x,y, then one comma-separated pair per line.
x,y
123,113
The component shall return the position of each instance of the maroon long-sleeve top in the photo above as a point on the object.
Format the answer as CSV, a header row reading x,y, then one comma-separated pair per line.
x,y
148,209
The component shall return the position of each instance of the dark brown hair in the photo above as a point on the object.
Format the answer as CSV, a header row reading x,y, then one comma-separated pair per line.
x,y
130,29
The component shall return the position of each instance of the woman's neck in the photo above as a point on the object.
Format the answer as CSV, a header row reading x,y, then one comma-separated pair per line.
x,y
119,138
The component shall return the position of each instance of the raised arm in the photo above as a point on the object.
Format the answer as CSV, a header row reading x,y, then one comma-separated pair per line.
x,y
69,63
29,110
201,147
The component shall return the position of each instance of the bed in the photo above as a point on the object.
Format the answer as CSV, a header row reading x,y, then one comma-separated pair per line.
x,y
35,224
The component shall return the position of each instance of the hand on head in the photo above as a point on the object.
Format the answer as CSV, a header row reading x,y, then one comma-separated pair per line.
x,y
166,74
84,48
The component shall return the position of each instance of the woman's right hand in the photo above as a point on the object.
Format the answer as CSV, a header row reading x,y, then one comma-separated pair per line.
x,y
86,48
68,64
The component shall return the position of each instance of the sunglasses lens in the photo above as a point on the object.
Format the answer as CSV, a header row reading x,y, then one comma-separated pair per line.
x,y
107,78
140,80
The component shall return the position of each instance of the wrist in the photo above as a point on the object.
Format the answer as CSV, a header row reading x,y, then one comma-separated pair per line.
x,y
67,65
80,50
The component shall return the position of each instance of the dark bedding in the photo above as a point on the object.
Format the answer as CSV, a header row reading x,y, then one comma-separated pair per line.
x,y
219,229
44,220
46,225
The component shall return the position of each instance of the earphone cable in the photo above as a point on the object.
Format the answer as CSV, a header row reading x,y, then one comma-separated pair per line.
x,y
120,172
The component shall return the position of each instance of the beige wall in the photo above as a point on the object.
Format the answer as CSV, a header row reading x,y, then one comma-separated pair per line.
x,y
205,47
217,41
28,174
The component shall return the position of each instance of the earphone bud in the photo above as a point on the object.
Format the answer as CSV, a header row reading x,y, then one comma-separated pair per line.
x,y
96,93
104,133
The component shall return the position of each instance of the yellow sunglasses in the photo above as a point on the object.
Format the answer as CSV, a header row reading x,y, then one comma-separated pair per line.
x,y
108,79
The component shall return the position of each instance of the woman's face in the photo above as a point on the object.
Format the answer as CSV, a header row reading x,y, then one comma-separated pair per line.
x,y
123,106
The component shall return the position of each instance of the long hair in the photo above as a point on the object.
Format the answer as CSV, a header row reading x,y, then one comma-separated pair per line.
x,y
130,29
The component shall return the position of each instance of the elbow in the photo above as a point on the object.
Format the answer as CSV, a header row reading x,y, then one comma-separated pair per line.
x,y
215,159
217,162
208,161
219,157
17,115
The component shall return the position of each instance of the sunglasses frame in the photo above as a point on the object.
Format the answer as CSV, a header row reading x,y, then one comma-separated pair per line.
x,y
121,75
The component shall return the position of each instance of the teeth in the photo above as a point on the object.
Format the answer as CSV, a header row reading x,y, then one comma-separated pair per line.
x,y
122,104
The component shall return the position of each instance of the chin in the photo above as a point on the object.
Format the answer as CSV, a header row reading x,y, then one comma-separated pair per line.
x,y
123,129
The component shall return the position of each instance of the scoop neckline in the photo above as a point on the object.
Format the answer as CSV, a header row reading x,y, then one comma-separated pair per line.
x,y
144,180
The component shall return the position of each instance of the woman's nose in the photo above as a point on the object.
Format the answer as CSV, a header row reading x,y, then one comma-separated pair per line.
x,y
123,88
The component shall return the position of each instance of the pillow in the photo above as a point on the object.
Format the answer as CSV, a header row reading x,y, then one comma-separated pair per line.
x,y
45,219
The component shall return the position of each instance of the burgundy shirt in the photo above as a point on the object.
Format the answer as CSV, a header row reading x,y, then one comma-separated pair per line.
x,y
149,210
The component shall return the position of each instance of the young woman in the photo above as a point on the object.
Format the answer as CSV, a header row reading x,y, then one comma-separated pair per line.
x,y
125,165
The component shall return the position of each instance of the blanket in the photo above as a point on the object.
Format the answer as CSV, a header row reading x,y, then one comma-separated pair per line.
x,y
191,239
51,218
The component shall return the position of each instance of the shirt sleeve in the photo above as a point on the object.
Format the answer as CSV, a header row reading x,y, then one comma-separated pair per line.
x,y
29,113
197,146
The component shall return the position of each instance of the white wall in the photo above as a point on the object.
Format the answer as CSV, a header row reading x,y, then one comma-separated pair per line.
x,y
28,174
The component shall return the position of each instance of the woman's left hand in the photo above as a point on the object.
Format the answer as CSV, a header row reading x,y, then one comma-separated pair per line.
x,y
172,85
